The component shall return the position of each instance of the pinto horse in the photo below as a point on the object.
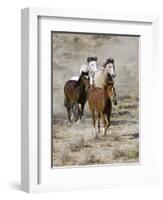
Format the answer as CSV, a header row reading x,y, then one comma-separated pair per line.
x,y
99,101
101,76
76,93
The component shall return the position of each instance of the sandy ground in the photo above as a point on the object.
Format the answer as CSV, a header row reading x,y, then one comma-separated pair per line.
x,y
75,144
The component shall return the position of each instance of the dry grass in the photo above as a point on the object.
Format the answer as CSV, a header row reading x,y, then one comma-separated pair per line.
x,y
132,153
117,153
117,138
91,158
65,155
77,144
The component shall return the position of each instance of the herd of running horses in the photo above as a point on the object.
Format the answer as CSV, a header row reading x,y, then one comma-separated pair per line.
x,y
95,85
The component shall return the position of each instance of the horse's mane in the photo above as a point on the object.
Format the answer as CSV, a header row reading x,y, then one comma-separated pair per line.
x,y
109,60
89,59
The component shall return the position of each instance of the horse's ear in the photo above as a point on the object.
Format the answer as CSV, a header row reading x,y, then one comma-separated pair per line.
x,y
108,60
88,59
111,60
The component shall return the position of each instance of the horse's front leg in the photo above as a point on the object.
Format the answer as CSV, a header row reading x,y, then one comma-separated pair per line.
x,y
114,96
69,114
73,110
94,123
105,124
82,111
98,123
77,111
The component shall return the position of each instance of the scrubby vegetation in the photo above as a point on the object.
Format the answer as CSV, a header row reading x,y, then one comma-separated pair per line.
x,y
74,144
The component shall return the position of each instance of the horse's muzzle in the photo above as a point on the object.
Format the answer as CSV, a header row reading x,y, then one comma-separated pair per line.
x,y
114,75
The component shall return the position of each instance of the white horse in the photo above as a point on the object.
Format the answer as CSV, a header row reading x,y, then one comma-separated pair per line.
x,y
90,67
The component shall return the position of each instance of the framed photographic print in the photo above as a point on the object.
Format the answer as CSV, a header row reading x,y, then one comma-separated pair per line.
x,y
87,114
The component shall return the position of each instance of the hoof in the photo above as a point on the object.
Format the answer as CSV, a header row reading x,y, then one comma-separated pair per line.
x,y
105,134
72,117
78,122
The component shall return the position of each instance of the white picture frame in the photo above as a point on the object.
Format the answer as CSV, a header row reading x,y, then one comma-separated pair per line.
x,y
36,173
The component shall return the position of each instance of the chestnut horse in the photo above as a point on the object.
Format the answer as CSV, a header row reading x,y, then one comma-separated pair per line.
x,y
76,93
100,103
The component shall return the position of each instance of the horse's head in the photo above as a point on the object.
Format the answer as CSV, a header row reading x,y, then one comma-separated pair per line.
x,y
110,88
92,67
109,67
85,80
92,64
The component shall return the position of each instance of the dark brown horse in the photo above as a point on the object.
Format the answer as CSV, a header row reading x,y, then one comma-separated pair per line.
x,y
76,92
99,101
